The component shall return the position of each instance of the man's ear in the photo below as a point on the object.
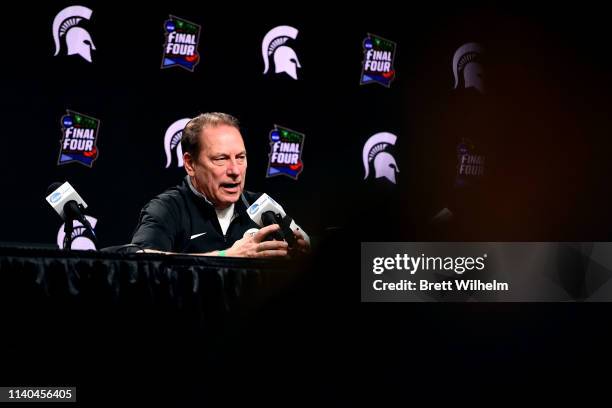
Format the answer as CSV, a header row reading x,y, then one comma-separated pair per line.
x,y
189,164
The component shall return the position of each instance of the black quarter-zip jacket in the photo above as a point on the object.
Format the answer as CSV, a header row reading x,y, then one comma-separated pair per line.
x,y
179,221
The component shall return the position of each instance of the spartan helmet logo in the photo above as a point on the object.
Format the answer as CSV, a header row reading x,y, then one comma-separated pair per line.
x,y
80,236
384,162
285,59
172,141
465,61
78,40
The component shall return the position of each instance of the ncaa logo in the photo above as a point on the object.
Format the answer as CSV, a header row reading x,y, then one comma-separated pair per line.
x,y
253,208
55,197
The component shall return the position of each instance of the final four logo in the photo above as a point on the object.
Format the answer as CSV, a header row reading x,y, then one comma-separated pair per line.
x,y
470,164
379,55
285,153
181,46
79,136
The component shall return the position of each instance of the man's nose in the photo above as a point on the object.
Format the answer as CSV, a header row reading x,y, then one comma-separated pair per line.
x,y
232,168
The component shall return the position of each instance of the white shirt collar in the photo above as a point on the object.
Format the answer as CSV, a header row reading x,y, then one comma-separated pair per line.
x,y
224,216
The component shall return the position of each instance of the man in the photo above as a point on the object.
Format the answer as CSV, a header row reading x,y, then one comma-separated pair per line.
x,y
206,213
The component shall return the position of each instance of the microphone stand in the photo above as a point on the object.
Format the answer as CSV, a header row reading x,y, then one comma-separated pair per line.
x,y
68,229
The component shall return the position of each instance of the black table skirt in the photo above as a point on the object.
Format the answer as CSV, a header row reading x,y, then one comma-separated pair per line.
x,y
142,327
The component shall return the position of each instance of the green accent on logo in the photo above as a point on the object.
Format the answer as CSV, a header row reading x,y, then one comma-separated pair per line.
x,y
383,44
85,121
185,26
290,136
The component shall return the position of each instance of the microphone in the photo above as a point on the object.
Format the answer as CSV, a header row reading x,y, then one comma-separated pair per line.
x,y
69,205
270,218
265,211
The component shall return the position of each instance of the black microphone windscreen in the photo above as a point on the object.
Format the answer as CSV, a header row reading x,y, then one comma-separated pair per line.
x,y
267,218
53,187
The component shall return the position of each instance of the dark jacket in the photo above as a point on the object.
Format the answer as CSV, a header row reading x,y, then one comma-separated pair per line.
x,y
179,221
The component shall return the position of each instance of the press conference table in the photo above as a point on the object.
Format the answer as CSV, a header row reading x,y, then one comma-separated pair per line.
x,y
68,316
176,280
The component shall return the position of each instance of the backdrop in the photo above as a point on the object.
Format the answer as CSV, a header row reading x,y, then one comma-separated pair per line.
x,y
500,115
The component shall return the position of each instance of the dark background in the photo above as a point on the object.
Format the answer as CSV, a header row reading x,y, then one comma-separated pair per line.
x,y
546,110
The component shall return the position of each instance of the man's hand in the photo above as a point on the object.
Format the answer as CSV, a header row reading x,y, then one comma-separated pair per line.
x,y
301,246
252,245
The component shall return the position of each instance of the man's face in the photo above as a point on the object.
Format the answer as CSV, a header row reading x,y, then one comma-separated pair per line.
x,y
220,169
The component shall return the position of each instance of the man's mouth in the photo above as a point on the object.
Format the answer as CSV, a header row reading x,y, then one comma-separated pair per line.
x,y
231,187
